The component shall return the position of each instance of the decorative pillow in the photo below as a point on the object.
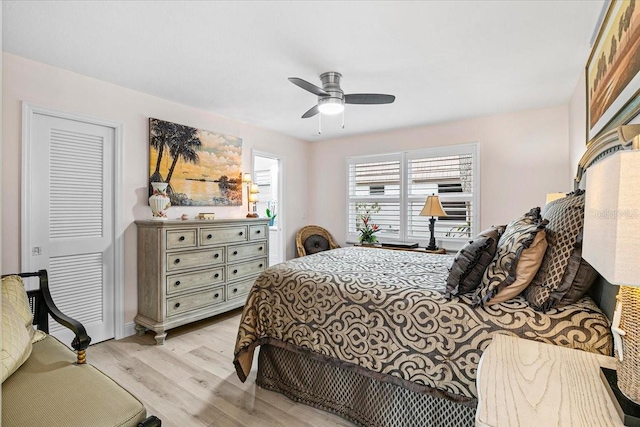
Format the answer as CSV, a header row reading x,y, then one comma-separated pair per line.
x,y
577,279
471,261
13,291
16,343
315,243
566,221
527,267
518,236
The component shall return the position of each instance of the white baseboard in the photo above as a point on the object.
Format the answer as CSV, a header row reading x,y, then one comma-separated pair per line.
x,y
129,329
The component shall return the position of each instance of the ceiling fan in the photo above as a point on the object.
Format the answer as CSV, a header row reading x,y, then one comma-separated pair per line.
x,y
331,98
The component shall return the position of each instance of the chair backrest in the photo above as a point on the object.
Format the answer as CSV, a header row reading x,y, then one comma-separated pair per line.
x,y
308,231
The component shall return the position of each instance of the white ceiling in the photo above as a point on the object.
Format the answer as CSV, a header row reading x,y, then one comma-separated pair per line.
x,y
444,61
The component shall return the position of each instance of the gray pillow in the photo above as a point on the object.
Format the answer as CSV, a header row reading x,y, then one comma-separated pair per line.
x,y
315,243
471,261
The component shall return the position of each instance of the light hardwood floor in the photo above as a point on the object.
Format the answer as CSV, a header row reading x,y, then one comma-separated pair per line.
x,y
191,381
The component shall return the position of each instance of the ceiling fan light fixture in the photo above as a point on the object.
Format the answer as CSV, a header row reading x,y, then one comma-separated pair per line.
x,y
331,106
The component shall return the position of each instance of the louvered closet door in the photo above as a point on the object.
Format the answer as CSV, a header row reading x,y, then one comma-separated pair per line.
x,y
72,220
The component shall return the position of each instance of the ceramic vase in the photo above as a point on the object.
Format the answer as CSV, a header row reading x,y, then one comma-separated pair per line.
x,y
159,201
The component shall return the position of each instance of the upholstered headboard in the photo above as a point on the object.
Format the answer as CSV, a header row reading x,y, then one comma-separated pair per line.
x,y
621,138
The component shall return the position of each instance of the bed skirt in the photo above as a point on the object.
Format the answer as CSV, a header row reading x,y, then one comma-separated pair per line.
x,y
365,401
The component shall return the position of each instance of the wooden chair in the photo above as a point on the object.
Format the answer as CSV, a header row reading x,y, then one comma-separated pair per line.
x,y
321,240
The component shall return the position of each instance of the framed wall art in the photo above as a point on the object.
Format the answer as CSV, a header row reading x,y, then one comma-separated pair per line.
x,y
202,168
613,69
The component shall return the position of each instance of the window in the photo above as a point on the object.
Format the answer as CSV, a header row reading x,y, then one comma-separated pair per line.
x,y
400,183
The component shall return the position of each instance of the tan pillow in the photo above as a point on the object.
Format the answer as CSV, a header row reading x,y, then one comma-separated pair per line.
x,y
13,291
526,269
16,342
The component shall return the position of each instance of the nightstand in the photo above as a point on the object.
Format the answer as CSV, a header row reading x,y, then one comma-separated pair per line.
x,y
527,383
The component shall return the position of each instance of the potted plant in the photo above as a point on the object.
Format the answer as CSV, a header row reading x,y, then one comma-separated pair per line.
x,y
272,216
364,225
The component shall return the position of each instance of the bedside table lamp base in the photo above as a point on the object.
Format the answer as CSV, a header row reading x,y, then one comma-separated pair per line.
x,y
628,410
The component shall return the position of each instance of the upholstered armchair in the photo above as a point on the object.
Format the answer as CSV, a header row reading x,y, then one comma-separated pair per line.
x,y
312,239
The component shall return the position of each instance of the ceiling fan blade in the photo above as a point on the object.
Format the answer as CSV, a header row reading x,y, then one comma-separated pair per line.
x,y
368,98
312,112
308,86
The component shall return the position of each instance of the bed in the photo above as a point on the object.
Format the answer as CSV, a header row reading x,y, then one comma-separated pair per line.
x,y
368,333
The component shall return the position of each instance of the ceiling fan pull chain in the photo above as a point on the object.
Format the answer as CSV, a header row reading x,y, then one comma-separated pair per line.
x,y
319,124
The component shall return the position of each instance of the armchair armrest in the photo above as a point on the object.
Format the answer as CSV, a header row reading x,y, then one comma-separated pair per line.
x,y
44,305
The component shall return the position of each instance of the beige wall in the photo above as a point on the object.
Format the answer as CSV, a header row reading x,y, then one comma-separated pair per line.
x,y
577,126
40,84
523,157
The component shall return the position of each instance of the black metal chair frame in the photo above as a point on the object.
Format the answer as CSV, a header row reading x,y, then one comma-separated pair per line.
x,y
42,306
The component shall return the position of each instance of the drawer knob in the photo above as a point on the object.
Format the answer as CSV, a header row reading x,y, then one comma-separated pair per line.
x,y
216,276
177,282
235,271
176,305
235,252
260,248
235,290
177,261
241,233
257,231
260,266
216,295
181,238
216,255
209,236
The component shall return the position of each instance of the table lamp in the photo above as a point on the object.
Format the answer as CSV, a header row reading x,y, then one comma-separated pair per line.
x,y
432,208
253,198
246,178
610,245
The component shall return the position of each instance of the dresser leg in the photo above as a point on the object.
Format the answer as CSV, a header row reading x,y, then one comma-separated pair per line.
x,y
140,330
160,336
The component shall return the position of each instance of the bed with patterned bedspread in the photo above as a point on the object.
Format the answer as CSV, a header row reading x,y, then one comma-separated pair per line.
x,y
382,313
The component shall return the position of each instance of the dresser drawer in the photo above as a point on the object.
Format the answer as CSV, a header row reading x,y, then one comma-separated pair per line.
x,y
181,239
239,289
258,232
216,236
182,260
181,304
246,268
250,250
186,281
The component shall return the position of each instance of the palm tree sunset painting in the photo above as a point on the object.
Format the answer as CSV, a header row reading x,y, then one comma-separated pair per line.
x,y
202,168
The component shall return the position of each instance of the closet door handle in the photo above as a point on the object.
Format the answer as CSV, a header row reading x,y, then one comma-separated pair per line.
x,y
181,238
216,255
209,236
260,266
177,305
216,276
177,261
216,296
177,282
241,233
235,290
257,231
260,248
235,271
235,252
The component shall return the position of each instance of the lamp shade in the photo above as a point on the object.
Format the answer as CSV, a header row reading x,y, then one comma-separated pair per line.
x,y
246,177
253,198
555,196
612,218
432,207
254,189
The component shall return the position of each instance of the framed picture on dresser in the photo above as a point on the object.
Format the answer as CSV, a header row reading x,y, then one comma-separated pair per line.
x,y
613,69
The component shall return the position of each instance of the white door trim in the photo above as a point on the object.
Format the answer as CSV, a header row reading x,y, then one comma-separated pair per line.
x,y
281,198
28,110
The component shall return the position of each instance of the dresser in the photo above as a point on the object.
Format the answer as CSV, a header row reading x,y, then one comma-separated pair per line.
x,y
194,269
529,383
